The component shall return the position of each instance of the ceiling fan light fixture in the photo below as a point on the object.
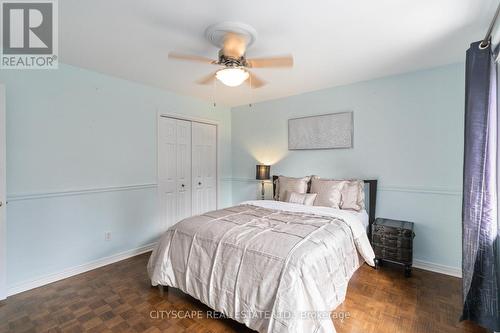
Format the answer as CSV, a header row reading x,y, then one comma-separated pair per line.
x,y
232,76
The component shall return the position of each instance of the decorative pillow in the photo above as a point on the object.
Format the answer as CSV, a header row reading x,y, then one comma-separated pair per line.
x,y
329,192
353,195
290,184
306,199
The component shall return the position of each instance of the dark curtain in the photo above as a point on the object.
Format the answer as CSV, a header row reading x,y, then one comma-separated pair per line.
x,y
480,261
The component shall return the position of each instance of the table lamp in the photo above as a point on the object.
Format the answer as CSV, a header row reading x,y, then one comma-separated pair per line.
x,y
263,173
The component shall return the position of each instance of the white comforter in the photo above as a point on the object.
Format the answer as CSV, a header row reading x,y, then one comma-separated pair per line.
x,y
274,266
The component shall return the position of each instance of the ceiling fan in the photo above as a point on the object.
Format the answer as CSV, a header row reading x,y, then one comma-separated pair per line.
x,y
233,39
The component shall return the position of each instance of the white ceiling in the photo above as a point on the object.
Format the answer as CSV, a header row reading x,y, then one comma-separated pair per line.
x,y
334,42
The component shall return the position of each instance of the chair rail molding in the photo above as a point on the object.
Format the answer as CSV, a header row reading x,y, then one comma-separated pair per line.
x,y
81,191
388,188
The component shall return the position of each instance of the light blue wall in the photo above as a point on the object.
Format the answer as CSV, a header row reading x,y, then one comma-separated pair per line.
x,y
408,133
70,130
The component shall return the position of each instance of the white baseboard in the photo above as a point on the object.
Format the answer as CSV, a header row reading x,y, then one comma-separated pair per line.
x,y
438,268
50,278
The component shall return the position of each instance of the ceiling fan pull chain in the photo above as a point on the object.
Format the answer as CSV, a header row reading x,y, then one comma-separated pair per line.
x,y
215,93
251,92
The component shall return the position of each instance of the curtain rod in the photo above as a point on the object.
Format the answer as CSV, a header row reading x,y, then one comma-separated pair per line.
x,y
487,39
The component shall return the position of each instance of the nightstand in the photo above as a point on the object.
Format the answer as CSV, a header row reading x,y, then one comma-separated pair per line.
x,y
392,241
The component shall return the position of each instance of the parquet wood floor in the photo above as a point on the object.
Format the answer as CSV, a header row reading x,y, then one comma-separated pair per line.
x,y
118,298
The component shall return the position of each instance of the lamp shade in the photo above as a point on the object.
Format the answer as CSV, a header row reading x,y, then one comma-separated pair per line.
x,y
263,172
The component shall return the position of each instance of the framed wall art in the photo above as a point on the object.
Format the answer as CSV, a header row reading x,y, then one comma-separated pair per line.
x,y
328,131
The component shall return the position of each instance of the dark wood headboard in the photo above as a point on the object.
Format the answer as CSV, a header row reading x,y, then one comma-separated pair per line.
x,y
372,199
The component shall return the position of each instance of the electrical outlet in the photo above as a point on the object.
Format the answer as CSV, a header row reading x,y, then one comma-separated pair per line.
x,y
107,236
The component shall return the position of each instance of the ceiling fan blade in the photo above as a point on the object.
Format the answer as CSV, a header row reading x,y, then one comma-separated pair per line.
x,y
254,81
283,61
207,79
189,57
234,45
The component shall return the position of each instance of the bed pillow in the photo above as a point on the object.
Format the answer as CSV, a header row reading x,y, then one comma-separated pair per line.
x,y
306,199
353,195
289,184
329,192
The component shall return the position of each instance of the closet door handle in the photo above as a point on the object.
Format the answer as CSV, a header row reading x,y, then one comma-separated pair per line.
x,y
199,183
182,185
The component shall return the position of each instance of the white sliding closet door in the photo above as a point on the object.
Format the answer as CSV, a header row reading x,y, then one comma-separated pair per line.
x,y
204,168
187,168
183,169
174,165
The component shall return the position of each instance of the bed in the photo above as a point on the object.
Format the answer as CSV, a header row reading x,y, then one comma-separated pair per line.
x,y
273,266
